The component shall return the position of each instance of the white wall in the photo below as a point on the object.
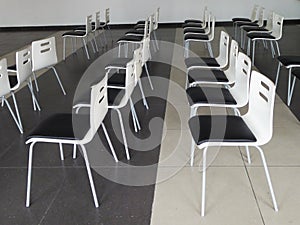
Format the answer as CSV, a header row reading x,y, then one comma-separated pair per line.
x,y
70,12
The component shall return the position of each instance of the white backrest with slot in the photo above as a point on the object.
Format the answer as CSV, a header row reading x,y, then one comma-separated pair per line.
x,y
259,117
107,16
88,24
277,26
156,19
254,12
4,81
269,25
43,53
211,34
97,20
23,64
223,49
233,54
146,50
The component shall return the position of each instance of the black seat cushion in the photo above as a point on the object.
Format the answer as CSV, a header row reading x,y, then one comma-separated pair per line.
x,y
192,21
252,28
288,60
296,72
219,128
196,37
194,30
60,126
139,26
135,32
260,35
13,80
131,38
209,95
141,22
117,79
203,61
240,19
115,96
246,23
207,75
119,62
75,33
191,24
12,67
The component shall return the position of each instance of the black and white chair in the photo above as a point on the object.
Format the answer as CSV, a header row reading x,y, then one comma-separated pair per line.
x,y
254,129
274,36
5,90
202,38
198,28
83,35
292,63
44,56
105,24
23,74
197,21
234,97
220,62
59,129
215,76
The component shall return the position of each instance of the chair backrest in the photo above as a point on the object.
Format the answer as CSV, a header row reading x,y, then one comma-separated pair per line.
x,y
269,25
145,50
240,90
277,26
223,49
233,54
107,16
138,62
261,16
212,22
131,78
97,21
259,117
43,53
23,65
88,24
148,23
205,19
156,18
254,12
98,109
4,81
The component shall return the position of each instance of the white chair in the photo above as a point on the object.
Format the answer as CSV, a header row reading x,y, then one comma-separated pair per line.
x,y
83,35
23,74
196,21
105,24
274,36
198,37
255,128
215,76
59,129
44,56
234,97
220,62
292,63
5,90
197,27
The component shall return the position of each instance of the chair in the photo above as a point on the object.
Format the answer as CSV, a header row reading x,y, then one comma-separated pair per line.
x,y
5,90
58,128
105,24
196,21
236,20
215,76
83,35
220,62
291,63
255,128
207,39
44,56
198,28
274,36
23,74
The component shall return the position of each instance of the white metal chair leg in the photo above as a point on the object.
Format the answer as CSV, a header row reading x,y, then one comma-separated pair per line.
x,y
74,151
156,40
134,115
119,52
95,42
148,75
249,47
27,203
203,182
248,155
85,47
34,100
19,122
277,46
88,168
268,178
64,48
109,143
272,49
61,151
143,95
123,134
253,51
57,77
291,90
193,145
277,75
289,87
35,81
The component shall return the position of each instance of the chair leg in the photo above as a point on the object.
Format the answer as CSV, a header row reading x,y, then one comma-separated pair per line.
x,y
249,47
248,155
277,46
253,52
143,95
291,88
272,49
109,143
27,203
95,42
34,100
57,77
88,168
123,134
119,52
74,151
35,81
85,47
268,178
203,182
135,117
277,75
192,155
64,48
148,75
156,40
19,122
61,151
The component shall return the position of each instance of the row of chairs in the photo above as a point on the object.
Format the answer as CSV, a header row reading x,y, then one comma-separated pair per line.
x,y
40,55
114,91
240,86
91,29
